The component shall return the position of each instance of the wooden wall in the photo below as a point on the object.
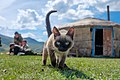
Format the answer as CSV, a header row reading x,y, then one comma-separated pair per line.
x,y
83,43
117,42
107,42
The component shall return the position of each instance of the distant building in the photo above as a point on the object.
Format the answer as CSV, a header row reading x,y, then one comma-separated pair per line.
x,y
95,37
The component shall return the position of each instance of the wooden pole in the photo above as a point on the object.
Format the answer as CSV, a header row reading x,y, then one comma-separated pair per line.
x,y
108,13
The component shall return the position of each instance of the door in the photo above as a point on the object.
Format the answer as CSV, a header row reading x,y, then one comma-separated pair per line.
x,y
99,42
107,42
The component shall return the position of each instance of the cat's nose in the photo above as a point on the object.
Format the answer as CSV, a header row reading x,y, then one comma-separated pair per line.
x,y
62,49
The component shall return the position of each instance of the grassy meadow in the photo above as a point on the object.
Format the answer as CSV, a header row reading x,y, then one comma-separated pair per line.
x,y
30,68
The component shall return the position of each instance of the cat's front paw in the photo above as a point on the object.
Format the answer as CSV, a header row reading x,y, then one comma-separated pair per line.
x,y
63,67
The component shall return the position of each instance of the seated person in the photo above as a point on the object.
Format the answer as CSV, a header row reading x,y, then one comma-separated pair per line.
x,y
18,50
17,38
11,51
15,49
26,48
22,49
17,44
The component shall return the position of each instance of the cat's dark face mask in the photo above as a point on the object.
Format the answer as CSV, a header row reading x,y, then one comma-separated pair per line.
x,y
62,45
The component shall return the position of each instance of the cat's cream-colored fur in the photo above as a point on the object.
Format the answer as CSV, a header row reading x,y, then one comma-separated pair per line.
x,y
57,57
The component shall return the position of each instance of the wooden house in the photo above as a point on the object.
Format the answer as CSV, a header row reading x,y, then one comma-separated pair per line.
x,y
95,37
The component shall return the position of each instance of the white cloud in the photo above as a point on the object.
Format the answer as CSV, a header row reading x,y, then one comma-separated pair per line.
x,y
2,21
2,18
40,40
33,35
82,8
45,33
114,5
65,10
25,35
5,3
78,2
69,13
102,5
27,19
6,31
60,5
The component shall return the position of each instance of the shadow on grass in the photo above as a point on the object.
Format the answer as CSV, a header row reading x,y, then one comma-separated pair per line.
x,y
71,73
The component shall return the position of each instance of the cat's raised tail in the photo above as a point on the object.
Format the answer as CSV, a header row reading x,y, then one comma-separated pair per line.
x,y
48,27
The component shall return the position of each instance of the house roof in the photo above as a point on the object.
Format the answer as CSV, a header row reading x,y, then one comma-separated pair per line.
x,y
91,22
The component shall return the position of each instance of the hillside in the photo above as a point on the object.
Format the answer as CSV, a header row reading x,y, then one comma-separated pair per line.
x,y
33,44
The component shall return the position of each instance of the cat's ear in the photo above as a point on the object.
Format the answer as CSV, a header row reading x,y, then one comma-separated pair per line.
x,y
56,32
70,32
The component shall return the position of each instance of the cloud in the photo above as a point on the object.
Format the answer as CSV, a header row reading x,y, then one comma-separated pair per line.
x,y
6,31
78,9
72,14
33,35
2,21
25,35
56,5
2,18
5,3
45,33
70,10
28,19
5,27
101,5
61,6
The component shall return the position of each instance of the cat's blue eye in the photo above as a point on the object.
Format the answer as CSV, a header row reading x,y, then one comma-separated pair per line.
x,y
67,43
58,43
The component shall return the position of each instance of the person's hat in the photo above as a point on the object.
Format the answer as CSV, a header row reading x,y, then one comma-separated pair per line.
x,y
16,33
11,44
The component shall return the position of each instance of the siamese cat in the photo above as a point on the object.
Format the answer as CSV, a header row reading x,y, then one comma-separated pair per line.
x,y
58,46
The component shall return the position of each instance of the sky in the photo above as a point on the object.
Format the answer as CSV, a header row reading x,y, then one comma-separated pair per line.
x,y
28,16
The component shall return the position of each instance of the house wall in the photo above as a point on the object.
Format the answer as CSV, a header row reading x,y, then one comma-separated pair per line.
x,y
82,41
107,42
117,41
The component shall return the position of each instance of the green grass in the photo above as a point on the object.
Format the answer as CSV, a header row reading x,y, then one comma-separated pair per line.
x,y
30,68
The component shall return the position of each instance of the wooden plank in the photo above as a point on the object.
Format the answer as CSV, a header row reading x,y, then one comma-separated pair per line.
x,y
107,42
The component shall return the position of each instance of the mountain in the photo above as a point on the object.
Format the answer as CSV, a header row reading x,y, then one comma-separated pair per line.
x,y
33,44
